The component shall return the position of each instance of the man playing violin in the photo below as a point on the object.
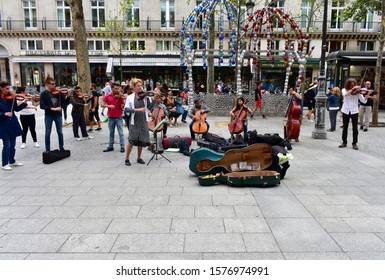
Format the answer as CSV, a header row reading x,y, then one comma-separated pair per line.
x,y
365,109
52,101
115,104
9,125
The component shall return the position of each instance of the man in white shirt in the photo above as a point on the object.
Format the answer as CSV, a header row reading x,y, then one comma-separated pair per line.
x,y
107,90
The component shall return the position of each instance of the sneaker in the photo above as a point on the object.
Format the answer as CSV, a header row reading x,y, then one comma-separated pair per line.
x,y
127,162
23,146
361,127
78,139
251,117
141,161
16,163
311,121
98,129
365,130
355,147
122,150
263,116
6,167
88,137
109,149
90,130
184,121
36,145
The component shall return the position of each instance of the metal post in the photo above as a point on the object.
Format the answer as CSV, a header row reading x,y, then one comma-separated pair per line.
x,y
319,131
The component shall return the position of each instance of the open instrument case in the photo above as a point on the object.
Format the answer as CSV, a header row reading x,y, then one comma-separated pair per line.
x,y
243,167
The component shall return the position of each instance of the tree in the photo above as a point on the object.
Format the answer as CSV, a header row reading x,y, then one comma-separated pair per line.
x,y
116,27
81,47
358,10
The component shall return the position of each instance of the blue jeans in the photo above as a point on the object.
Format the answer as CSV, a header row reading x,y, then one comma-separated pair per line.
x,y
118,123
49,119
8,154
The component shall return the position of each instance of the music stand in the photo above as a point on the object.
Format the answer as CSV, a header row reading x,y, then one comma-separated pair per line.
x,y
155,151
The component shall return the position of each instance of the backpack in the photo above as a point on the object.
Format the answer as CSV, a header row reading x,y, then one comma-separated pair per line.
x,y
184,147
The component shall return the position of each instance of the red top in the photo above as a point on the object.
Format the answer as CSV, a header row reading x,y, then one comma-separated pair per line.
x,y
117,111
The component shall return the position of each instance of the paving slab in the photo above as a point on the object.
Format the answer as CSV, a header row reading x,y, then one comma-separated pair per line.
x,y
8,200
12,256
88,200
245,225
71,256
139,226
77,226
359,242
158,256
366,224
58,212
89,243
24,225
260,242
154,243
301,235
112,211
17,211
143,200
243,256
197,225
214,242
29,243
281,206
190,200
42,200
335,225
317,256
214,211
166,212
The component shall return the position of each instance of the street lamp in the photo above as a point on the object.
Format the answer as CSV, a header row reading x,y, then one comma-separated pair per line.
x,y
319,128
249,8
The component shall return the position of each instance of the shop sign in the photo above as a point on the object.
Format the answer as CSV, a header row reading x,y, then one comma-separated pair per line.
x,y
48,53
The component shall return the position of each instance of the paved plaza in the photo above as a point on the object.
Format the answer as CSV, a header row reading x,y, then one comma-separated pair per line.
x,y
331,204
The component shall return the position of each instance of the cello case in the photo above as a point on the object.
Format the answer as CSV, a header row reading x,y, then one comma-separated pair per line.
x,y
253,160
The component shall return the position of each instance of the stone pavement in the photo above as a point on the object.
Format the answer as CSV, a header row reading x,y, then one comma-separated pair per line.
x,y
331,205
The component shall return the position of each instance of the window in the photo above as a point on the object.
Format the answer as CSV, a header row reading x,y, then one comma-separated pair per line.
x,y
133,15
198,45
367,23
63,45
167,13
201,17
98,45
305,15
31,45
366,45
98,13
337,45
29,9
337,11
63,14
165,46
135,45
281,5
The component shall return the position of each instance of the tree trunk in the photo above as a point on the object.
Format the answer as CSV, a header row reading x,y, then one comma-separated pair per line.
x,y
377,79
210,60
81,47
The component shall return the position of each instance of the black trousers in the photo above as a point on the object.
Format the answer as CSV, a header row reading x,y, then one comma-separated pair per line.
x,y
79,120
345,120
28,122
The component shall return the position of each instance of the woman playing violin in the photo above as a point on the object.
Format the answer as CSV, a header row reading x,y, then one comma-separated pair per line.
x,y
161,112
77,113
138,105
9,125
240,110
27,119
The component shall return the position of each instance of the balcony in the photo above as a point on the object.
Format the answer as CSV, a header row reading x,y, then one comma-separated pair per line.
x,y
41,26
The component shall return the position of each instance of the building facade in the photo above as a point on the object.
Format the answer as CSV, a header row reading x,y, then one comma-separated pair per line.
x,y
36,40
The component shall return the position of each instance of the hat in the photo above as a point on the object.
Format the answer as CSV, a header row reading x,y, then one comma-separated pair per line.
x,y
197,100
185,89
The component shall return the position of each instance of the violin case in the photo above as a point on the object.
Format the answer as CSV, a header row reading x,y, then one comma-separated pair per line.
x,y
237,167
256,178
175,141
55,155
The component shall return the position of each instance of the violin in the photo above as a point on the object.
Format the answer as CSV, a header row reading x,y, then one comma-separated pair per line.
x,y
143,94
293,125
60,91
356,90
236,126
200,125
12,96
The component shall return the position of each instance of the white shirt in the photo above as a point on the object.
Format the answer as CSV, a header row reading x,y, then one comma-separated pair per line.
x,y
107,90
350,104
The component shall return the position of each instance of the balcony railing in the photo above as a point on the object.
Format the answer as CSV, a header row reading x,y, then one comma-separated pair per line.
x,y
159,26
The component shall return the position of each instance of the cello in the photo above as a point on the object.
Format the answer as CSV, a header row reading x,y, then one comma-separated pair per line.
x,y
200,125
157,115
236,126
293,113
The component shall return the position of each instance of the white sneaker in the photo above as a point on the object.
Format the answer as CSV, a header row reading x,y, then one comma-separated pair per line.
x,y
311,121
23,146
6,167
37,145
78,138
88,137
16,163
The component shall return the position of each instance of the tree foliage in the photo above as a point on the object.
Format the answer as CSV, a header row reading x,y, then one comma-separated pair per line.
x,y
358,9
